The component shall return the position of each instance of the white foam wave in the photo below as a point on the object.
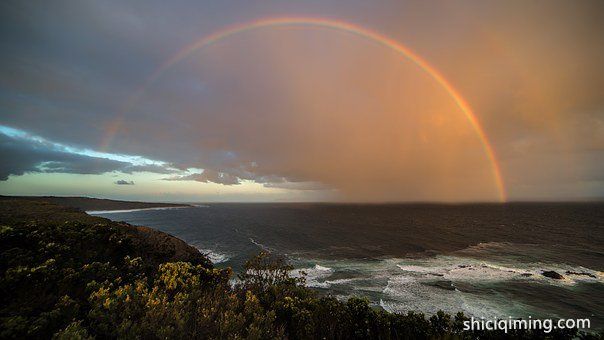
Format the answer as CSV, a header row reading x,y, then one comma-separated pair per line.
x,y
314,275
405,293
322,268
260,245
104,212
341,281
471,270
431,284
451,283
214,256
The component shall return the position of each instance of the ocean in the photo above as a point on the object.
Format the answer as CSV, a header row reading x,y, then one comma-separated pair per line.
x,y
483,259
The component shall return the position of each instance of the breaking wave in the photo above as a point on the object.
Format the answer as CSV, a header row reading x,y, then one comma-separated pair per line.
x,y
451,282
313,275
213,256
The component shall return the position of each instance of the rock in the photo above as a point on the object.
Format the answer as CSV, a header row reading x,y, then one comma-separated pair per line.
x,y
552,275
446,285
568,272
526,274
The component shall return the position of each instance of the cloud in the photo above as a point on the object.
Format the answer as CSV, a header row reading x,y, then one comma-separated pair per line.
x,y
124,182
290,108
208,176
213,176
22,156
28,154
153,168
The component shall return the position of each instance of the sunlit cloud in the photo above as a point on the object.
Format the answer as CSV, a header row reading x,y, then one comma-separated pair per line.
x,y
23,152
25,136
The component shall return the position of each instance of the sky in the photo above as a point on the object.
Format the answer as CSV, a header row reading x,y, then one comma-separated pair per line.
x,y
274,101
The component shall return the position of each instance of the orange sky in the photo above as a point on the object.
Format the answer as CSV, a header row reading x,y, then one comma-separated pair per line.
x,y
316,112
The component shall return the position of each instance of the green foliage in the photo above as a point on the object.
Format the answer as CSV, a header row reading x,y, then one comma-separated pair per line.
x,y
45,270
83,280
183,301
73,331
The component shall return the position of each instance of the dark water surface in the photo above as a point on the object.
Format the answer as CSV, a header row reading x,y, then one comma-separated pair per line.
x,y
483,259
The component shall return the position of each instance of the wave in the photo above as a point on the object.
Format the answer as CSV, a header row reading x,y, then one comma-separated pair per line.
x,y
104,212
444,282
213,256
454,283
261,246
472,270
313,275
403,294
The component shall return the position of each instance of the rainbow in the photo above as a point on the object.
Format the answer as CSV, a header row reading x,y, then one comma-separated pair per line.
x,y
333,25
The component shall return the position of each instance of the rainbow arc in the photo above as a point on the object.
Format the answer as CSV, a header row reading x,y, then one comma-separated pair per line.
x,y
327,24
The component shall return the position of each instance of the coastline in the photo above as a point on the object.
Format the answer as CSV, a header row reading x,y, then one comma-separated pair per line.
x,y
96,205
102,212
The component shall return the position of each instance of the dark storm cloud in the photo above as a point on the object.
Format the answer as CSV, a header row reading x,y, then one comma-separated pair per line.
x,y
30,154
124,182
21,156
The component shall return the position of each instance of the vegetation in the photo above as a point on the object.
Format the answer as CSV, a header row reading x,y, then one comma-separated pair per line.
x,y
67,275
